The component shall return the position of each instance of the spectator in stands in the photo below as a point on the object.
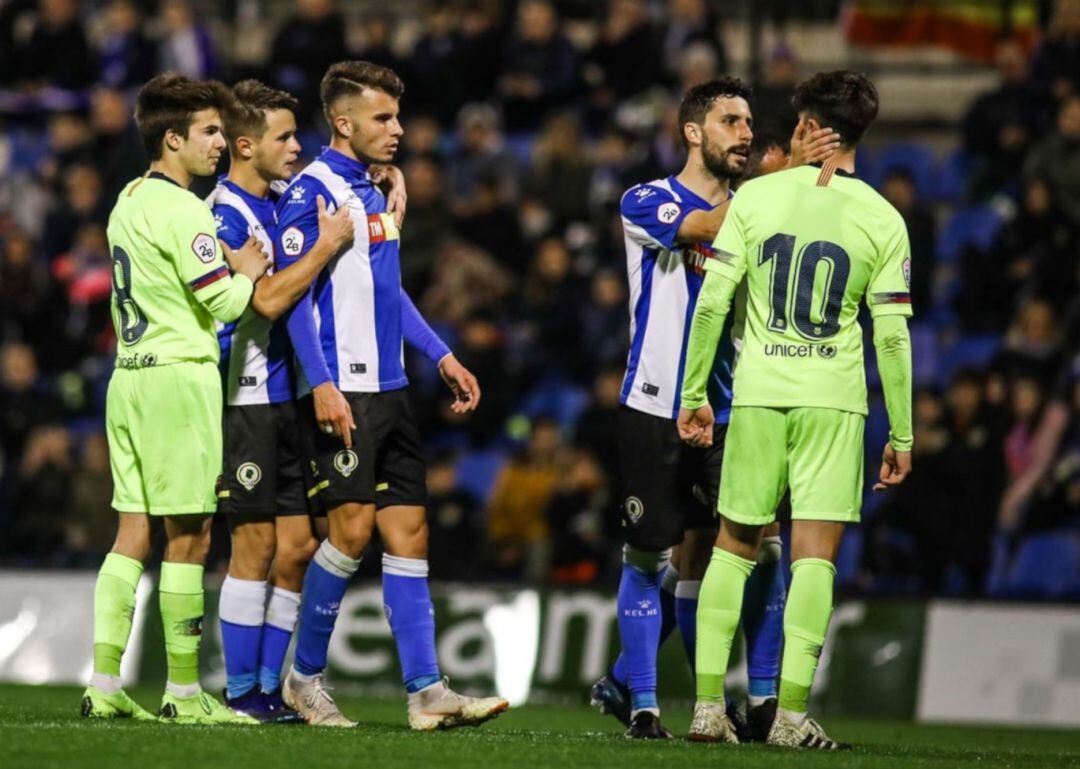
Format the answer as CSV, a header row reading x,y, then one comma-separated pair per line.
x,y
434,85
689,22
31,307
899,189
56,53
482,32
596,426
491,222
128,58
81,203
624,60
378,46
42,494
482,348
698,63
481,152
540,67
772,98
604,321
1057,160
115,146
305,45
88,531
517,529
1026,398
453,523
1033,344
466,280
1056,69
186,46
561,169
429,221
575,517
548,320
1001,124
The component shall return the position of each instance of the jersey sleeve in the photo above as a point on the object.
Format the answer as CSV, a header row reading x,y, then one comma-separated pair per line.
x,y
232,228
192,233
651,216
731,244
889,291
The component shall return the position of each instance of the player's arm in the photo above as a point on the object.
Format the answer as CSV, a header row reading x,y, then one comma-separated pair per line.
x,y
702,226
422,336
652,217
201,264
889,299
296,236
280,291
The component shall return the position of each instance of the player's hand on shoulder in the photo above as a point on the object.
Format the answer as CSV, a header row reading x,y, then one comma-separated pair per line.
x,y
462,384
895,467
337,227
392,180
249,259
696,426
812,144
332,412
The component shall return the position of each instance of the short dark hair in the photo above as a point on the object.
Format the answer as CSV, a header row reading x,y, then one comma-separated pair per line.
x,y
697,102
352,77
246,116
844,101
169,102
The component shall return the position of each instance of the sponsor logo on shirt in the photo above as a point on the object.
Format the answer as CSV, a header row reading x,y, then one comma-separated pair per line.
x,y
826,351
296,195
694,256
643,192
204,247
146,360
381,228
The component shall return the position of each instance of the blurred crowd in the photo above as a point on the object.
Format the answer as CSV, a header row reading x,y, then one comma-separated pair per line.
x,y
524,123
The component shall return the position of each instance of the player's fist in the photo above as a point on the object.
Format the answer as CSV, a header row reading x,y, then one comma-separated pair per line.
x,y
696,426
462,384
332,412
895,467
392,180
249,259
810,144
337,228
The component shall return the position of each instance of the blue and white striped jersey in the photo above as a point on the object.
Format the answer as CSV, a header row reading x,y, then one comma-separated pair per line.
x,y
665,280
349,327
256,355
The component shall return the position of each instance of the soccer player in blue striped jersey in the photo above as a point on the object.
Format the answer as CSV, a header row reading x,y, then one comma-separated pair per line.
x,y
262,490
348,333
669,490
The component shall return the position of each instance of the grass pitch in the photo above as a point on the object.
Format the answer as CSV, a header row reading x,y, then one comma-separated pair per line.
x,y
40,727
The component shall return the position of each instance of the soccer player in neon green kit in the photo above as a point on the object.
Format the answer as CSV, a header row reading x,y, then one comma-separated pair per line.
x,y
810,242
164,403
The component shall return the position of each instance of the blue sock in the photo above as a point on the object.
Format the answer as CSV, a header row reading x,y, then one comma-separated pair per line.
x,y
412,619
282,612
324,586
667,620
763,620
686,602
638,606
241,610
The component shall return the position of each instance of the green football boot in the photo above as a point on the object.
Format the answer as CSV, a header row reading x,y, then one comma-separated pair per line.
x,y
98,704
201,709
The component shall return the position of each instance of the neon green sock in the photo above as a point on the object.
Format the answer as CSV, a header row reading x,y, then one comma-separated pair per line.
x,y
719,606
806,620
114,606
181,597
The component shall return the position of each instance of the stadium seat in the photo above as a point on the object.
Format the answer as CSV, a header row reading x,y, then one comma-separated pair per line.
x,y
1046,566
976,226
917,159
556,399
967,351
477,471
952,177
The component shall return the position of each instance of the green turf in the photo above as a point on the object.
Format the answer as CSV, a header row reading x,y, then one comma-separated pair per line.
x,y
40,727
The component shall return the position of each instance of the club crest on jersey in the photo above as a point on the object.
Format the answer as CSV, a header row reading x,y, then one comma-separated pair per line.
x,y
907,273
634,508
292,241
668,212
249,474
204,247
345,462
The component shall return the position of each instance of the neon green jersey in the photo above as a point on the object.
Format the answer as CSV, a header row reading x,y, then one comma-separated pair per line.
x,y
810,246
170,281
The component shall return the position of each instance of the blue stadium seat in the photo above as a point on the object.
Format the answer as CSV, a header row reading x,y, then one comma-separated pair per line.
x,y
976,225
477,471
917,159
1046,566
952,176
925,355
968,351
556,399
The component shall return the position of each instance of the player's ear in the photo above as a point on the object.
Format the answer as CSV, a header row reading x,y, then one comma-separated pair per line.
x,y
343,125
692,132
172,140
245,147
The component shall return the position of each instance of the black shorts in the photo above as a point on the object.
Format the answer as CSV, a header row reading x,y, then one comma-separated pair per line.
x,y
668,487
385,466
263,472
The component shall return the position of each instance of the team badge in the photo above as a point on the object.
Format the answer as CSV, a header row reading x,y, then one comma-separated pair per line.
x,y
668,213
345,462
204,247
249,474
635,508
827,350
907,272
292,241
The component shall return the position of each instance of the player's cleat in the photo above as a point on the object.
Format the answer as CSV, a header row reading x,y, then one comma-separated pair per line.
x,y
611,698
712,724
264,708
646,726
808,735
440,707
200,709
98,704
312,700
759,721
739,722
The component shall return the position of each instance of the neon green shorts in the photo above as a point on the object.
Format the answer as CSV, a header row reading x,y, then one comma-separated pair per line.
x,y
818,452
164,430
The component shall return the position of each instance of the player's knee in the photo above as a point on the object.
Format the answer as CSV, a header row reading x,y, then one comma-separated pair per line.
x,y
407,540
770,550
649,561
253,550
293,555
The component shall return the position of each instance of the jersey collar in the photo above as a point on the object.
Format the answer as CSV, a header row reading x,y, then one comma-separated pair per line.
x,y
838,171
351,169
689,196
253,201
162,177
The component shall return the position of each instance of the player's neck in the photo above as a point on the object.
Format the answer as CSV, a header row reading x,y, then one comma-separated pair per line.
x,y
170,167
696,178
244,176
339,144
844,160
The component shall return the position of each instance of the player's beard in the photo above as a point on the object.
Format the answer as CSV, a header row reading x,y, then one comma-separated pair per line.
x,y
722,163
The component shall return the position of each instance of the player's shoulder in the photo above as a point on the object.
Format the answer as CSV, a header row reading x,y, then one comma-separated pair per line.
x,y
873,205
648,195
301,193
